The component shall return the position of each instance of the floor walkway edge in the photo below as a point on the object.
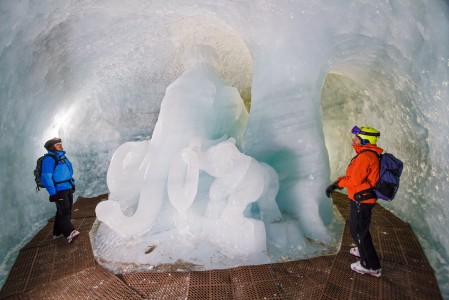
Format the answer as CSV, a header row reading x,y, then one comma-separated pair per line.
x,y
53,269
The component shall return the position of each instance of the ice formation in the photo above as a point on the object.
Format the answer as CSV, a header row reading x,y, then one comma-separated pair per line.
x,y
95,73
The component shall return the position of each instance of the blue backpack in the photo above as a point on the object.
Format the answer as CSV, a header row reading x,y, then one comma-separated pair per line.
x,y
390,170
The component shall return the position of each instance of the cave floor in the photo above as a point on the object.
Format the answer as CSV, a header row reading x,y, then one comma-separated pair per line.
x,y
53,269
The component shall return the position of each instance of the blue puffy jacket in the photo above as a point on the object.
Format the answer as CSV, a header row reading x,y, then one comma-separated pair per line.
x,y
61,178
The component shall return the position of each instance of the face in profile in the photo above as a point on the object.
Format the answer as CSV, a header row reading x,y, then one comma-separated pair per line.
x,y
58,146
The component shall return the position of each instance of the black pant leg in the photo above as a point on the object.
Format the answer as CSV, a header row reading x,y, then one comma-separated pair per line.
x,y
57,224
65,212
370,260
353,217
359,222
70,196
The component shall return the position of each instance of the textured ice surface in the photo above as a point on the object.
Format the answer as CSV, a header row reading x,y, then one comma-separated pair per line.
x,y
95,74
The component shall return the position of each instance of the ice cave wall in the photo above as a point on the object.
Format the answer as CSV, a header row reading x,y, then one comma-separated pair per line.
x,y
95,73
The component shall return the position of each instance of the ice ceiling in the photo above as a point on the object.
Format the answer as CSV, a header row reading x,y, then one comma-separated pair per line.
x,y
95,73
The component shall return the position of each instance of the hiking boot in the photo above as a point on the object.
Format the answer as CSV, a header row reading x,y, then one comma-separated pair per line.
x,y
57,236
357,266
73,235
355,251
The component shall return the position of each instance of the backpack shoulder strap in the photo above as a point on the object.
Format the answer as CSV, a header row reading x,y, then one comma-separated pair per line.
x,y
379,157
54,158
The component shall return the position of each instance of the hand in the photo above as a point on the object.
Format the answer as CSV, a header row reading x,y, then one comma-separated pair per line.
x,y
73,188
53,198
331,188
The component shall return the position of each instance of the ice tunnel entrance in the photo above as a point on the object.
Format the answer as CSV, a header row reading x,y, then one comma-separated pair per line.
x,y
342,102
349,99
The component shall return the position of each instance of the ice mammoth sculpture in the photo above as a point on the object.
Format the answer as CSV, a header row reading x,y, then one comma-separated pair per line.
x,y
198,104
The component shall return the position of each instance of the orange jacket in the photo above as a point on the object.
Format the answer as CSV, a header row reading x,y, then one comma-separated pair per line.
x,y
362,170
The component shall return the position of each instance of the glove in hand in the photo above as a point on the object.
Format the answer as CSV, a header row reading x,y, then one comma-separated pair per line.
x,y
331,188
53,198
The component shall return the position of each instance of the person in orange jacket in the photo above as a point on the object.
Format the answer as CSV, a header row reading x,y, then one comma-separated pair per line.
x,y
361,175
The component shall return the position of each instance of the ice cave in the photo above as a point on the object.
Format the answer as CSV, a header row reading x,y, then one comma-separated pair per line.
x,y
170,105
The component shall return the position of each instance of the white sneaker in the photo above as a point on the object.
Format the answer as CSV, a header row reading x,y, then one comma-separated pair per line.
x,y
73,235
355,251
57,236
357,266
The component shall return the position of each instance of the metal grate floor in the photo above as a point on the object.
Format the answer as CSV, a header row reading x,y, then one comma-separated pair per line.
x,y
53,269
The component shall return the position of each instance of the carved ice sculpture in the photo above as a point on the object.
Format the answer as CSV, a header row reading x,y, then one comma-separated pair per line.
x,y
198,104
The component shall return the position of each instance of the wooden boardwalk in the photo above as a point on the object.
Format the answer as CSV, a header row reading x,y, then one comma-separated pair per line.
x,y
53,269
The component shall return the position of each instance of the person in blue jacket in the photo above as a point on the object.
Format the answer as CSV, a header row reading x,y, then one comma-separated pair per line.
x,y
57,177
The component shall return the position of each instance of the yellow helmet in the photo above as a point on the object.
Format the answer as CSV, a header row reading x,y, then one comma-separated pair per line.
x,y
367,135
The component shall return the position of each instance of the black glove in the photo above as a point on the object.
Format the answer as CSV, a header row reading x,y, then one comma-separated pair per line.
x,y
53,198
331,188
73,188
